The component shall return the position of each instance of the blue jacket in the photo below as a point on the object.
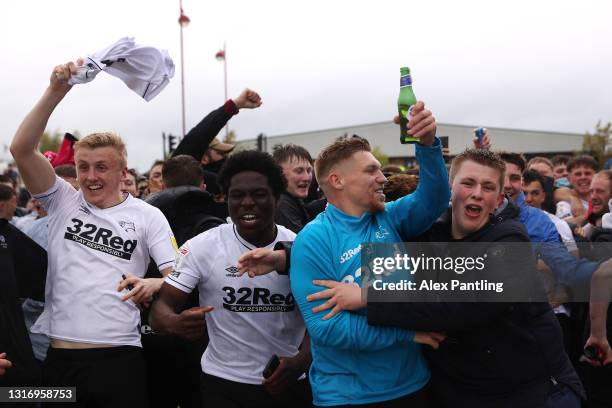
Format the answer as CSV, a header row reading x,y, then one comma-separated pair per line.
x,y
354,363
568,270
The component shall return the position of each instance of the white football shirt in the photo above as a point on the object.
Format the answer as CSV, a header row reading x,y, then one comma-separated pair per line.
x,y
89,249
253,318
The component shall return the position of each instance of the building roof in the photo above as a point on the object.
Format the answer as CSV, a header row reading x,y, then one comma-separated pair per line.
x,y
385,136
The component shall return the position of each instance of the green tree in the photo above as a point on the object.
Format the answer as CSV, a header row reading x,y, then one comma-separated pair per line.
x,y
50,141
599,143
380,156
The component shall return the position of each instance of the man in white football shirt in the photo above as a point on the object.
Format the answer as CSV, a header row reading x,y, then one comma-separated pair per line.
x,y
97,235
249,320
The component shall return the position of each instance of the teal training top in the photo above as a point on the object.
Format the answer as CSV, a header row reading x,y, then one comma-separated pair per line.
x,y
354,363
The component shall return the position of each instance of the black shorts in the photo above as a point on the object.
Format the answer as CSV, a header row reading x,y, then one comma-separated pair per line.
x,y
219,392
104,377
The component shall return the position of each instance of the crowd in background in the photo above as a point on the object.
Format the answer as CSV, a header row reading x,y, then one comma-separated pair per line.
x,y
563,203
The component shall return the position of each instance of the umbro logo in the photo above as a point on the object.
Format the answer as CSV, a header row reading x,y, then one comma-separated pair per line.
x,y
84,209
233,272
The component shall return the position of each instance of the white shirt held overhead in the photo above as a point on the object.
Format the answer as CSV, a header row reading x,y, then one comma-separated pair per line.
x,y
96,235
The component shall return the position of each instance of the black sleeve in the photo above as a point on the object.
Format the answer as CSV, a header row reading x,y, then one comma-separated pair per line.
x,y
30,266
434,316
549,187
315,207
289,216
285,246
196,142
448,316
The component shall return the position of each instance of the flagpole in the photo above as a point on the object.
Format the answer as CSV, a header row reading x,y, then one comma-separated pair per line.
x,y
225,82
181,23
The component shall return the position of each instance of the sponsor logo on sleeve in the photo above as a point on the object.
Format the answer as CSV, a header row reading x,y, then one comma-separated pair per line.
x,y
180,257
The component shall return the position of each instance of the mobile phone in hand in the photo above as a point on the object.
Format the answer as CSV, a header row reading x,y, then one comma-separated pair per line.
x,y
272,365
130,286
480,132
591,352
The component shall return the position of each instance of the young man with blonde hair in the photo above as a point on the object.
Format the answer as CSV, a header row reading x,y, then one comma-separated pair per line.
x,y
100,242
542,165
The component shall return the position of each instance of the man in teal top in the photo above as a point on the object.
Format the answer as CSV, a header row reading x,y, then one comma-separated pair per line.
x,y
354,363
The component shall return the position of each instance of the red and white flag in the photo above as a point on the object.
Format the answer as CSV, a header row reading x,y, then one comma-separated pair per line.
x,y
220,55
183,19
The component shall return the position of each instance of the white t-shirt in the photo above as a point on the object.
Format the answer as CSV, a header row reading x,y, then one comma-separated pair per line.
x,y
89,249
565,232
253,318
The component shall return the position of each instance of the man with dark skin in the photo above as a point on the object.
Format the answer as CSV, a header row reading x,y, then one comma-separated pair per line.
x,y
262,313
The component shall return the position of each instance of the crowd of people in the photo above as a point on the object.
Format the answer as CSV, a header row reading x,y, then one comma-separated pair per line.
x,y
224,278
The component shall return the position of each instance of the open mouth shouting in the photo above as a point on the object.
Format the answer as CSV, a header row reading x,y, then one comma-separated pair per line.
x,y
473,210
598,205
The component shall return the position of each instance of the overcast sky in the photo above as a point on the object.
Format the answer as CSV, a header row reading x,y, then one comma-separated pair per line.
x,y
542,65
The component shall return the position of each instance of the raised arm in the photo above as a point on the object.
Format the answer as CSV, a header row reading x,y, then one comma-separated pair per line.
x,y
35,169
484,143
579,214
414,213
196,142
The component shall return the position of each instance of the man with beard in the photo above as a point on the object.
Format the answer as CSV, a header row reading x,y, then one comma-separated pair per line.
x,y
498,354
353,363
601,192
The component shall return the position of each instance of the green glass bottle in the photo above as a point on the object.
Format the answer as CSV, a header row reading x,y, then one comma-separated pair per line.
x,y
405,102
